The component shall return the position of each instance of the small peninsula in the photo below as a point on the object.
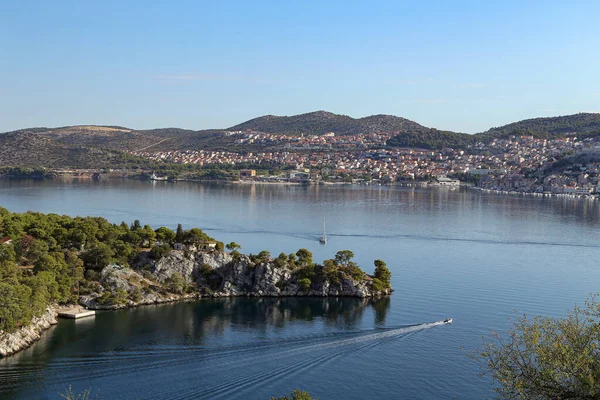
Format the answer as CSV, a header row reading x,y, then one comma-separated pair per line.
x,y
48,261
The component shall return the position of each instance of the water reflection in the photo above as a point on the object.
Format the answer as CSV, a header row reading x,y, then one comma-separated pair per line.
x,y
195,325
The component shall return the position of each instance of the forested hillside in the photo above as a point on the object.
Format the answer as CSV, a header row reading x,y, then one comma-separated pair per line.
x,y
54,259
320,122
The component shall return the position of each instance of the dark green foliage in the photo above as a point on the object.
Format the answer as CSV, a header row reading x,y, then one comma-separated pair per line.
x,y
292,260
343,257
377,285
176,283
135,295
195,236
67,254
220,246
113,298
262,257
233,246
320,122
431,139
98,256
161,251
546,358
297,394
331,272
165,235
304,283
14,308
179,233
583,125
382,274
281,260
7,253
304,257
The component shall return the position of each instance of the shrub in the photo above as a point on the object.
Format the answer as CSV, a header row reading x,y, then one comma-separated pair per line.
x,y
304,283
382,273
161,251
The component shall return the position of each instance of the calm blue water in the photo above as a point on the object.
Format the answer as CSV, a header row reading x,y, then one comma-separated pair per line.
x,y
474,256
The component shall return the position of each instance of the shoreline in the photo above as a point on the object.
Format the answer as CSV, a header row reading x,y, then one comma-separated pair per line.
x,y
25,337
14,342
420,184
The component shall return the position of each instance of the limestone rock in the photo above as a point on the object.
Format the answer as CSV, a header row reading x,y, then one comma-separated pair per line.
x,y
22,338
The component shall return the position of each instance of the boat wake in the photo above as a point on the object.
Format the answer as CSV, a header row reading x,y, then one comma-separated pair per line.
x,y
213,371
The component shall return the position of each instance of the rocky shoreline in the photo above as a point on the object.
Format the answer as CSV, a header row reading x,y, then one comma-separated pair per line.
x,y
209,274
190,275
12,342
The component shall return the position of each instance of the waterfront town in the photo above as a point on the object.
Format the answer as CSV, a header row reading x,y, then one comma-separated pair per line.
x,y
516,164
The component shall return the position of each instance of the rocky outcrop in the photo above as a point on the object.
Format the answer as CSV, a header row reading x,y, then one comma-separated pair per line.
x,y
219,274
24,337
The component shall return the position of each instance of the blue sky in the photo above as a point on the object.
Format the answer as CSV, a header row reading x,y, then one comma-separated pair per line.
x,y
457,65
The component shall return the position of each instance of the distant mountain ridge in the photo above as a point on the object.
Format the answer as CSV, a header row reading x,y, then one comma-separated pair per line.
x,y
321,122
89,146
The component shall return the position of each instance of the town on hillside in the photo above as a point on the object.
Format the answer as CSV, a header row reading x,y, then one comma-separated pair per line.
x,y
519,163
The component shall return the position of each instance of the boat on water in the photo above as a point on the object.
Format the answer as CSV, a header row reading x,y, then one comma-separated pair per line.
x,y
448,321
323,239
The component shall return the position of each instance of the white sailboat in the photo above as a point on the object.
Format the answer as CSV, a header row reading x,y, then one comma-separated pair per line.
x,y
323,239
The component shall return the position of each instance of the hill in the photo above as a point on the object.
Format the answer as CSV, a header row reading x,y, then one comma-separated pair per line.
x,y
92,146
581,125
125,139
320,122
586,124
26,149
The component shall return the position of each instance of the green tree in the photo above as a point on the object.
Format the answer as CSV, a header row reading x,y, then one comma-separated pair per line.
x,y
195,236
263,256
136,225
281,260
233,246
98,256
161,251
304,283
547,358
14,307
292,260
382,273
297,394
179,234
7,253
343,257
304,257
331,271
176,283
165,235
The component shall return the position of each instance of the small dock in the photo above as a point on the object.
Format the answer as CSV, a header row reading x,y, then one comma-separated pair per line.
x,y
75,313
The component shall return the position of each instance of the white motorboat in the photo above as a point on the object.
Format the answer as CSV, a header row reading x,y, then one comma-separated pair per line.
x,y
448,321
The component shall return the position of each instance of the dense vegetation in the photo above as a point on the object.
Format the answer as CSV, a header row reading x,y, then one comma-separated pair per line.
x,y
547,358
432,139
583,125
53,259
333,270
320,122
